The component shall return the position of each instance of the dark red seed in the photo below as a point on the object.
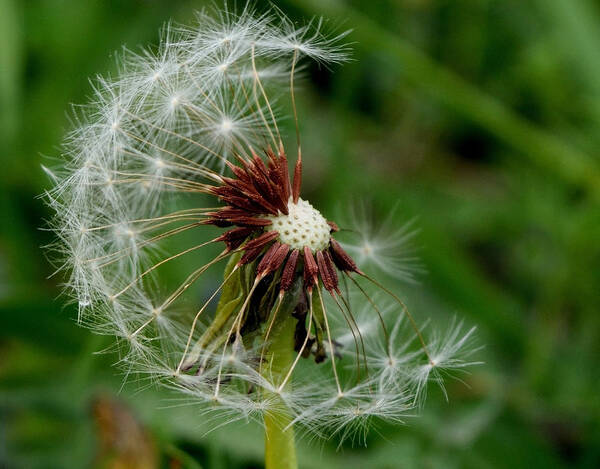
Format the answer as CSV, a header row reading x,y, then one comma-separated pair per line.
x,y
266,190
287,277
331,268
270,155
279,185
279,176
279,257
247,204
237,184
236,233
264,263
341,259
250,255
237,171
259,164
236,243
251,221
263,239
329,281
235,237
219,223
310,267
251,193
230,191
227,213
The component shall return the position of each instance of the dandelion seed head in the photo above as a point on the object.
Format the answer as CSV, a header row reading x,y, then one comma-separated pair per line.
x,y
196,119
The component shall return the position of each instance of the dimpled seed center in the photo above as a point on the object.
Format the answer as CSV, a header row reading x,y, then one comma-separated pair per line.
x,y
303,226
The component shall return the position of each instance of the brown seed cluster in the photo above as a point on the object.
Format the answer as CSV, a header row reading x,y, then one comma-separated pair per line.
x,y
256,193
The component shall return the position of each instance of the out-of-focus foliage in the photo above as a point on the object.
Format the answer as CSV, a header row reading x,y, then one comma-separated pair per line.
x,y
480,118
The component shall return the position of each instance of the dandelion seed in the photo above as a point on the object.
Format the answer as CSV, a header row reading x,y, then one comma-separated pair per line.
x,y
379,245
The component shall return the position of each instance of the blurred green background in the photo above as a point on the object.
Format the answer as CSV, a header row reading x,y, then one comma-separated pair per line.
x,y
480,118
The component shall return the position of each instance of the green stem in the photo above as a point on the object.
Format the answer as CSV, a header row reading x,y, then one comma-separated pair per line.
x,y
280,449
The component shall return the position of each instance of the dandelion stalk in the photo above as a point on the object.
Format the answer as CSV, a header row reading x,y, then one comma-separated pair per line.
x,y
280,448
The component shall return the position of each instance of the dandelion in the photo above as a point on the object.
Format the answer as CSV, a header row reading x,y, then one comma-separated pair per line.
x,y
184,151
